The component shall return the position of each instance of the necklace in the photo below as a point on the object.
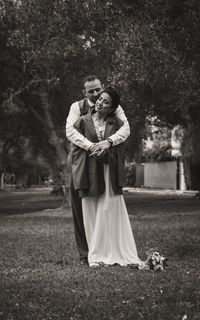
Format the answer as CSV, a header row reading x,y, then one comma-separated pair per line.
x,y
100,122
99,125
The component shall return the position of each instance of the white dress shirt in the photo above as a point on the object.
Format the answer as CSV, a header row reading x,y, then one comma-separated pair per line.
x,y
78,139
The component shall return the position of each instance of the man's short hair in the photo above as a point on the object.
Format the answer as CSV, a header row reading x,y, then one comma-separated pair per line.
x,y
89,78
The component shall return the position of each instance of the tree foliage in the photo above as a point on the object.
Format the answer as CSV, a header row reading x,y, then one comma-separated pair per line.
x,y
148,49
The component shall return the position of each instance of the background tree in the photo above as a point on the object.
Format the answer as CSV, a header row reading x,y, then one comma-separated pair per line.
x,y
149,50
158,63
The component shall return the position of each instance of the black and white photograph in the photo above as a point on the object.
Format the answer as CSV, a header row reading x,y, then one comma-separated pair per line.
x,y
99,160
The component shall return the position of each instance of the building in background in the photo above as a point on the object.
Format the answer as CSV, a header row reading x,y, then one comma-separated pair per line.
x,y
163,168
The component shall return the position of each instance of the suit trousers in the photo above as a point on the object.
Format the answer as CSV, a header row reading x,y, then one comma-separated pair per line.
x,y
79,229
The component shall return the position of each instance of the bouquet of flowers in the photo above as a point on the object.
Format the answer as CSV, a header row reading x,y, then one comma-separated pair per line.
x,y
155,261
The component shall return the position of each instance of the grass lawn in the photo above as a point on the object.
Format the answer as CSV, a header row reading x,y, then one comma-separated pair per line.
x,y
34,285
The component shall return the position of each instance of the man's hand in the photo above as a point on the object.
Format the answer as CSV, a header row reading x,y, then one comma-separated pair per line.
x,y
104,145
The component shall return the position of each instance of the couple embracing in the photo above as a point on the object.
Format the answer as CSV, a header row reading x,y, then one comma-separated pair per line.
x,y
97,128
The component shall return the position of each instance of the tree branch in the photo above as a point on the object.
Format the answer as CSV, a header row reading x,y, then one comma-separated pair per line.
x,y
167,53
20,90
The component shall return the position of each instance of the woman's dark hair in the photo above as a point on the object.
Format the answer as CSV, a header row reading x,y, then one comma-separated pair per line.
x,y
114,96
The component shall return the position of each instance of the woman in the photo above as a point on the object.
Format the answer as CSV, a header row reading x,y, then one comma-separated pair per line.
x,y
100,181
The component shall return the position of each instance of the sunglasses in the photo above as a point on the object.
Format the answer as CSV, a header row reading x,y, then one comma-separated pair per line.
x,y
91,91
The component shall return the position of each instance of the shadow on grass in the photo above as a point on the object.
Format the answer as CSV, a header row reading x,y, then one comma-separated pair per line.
x,y
13,203
161,204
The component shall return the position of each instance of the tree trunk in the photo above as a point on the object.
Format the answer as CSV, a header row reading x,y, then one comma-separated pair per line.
x,y
191,156
59,163
2,180
187,172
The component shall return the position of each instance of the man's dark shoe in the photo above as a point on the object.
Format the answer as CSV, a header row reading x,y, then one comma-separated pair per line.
x,y
84,261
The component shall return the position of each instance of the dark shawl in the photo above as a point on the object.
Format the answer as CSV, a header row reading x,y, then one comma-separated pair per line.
x,y
87,172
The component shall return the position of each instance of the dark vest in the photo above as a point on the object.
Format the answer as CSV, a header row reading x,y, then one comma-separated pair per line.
x,y
87,172
84,106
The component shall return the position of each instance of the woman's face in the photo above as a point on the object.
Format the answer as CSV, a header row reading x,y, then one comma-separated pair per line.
x,y
104,104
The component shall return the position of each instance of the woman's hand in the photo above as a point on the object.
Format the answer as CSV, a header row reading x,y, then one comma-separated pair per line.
x,y
104,145
99,149
93,147
94,150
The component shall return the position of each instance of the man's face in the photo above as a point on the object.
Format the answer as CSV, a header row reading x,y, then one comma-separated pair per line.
x,y
92,90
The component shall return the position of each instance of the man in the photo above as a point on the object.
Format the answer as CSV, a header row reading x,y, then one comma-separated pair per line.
x,y
92,89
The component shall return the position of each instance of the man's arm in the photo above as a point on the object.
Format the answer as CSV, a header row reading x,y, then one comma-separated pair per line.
x,y
72,134
122,134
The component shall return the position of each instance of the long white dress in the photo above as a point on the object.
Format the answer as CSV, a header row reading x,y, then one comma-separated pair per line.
x,y
107,226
